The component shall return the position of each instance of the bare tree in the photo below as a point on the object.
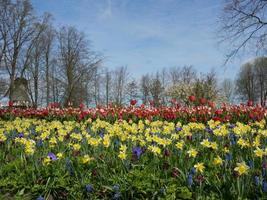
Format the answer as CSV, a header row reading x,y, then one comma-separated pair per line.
x,y
144,88
174,75
244,24
34,59
96,87
17,30
206,86
261,75
56,84
76,60
165,82
252,81
156,90
132,90
108,82
49,37
246,83
120,82
188,74
228,89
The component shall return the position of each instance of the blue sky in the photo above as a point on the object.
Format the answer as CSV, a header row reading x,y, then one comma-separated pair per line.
x,y
147,35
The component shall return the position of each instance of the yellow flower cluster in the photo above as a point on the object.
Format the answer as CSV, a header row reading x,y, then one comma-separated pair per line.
x,y
191,140
122,154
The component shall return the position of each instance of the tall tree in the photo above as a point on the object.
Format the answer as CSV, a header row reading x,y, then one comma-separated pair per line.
x,y
246,82
261,75
132,90
156,90
76,60
252,81
17,28
145,88
244,24
49,37
120,82
108,82
34,58
228,89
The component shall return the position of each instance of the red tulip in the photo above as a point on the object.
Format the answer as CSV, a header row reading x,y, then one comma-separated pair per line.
x,y
250,103
211,104
133,102
218,112
202,101
10,103
217,119
192,98
81,106
151,102
173,101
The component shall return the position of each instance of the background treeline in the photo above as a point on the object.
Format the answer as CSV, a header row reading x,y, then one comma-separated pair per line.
x,y
61,66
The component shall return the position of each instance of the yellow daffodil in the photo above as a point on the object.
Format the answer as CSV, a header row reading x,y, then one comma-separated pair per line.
x,y
214,145
86,159
122,153
46,160
205,143
192,153
241,168
218,161
179,145
259,152
199,167
76,147
59,155
154,149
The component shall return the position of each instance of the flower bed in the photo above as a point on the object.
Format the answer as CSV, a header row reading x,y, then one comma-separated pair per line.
x,y
185,114
131,159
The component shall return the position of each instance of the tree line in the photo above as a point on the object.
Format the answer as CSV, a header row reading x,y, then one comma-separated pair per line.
x,y
61,66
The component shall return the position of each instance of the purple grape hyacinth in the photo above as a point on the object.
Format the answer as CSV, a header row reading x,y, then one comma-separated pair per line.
x,y
52,156
137,151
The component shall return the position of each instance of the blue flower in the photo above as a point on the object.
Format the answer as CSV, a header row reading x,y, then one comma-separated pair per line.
x,y
69,167
232,139
21,135
209,130
117,195
178,129
116,142
101,133
116,188
33,131
162,190
137,151
89,188
193,171
231,126
40,198
257,180
52,156
263,172
228,157
250,164
264,186
190,180
39,143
